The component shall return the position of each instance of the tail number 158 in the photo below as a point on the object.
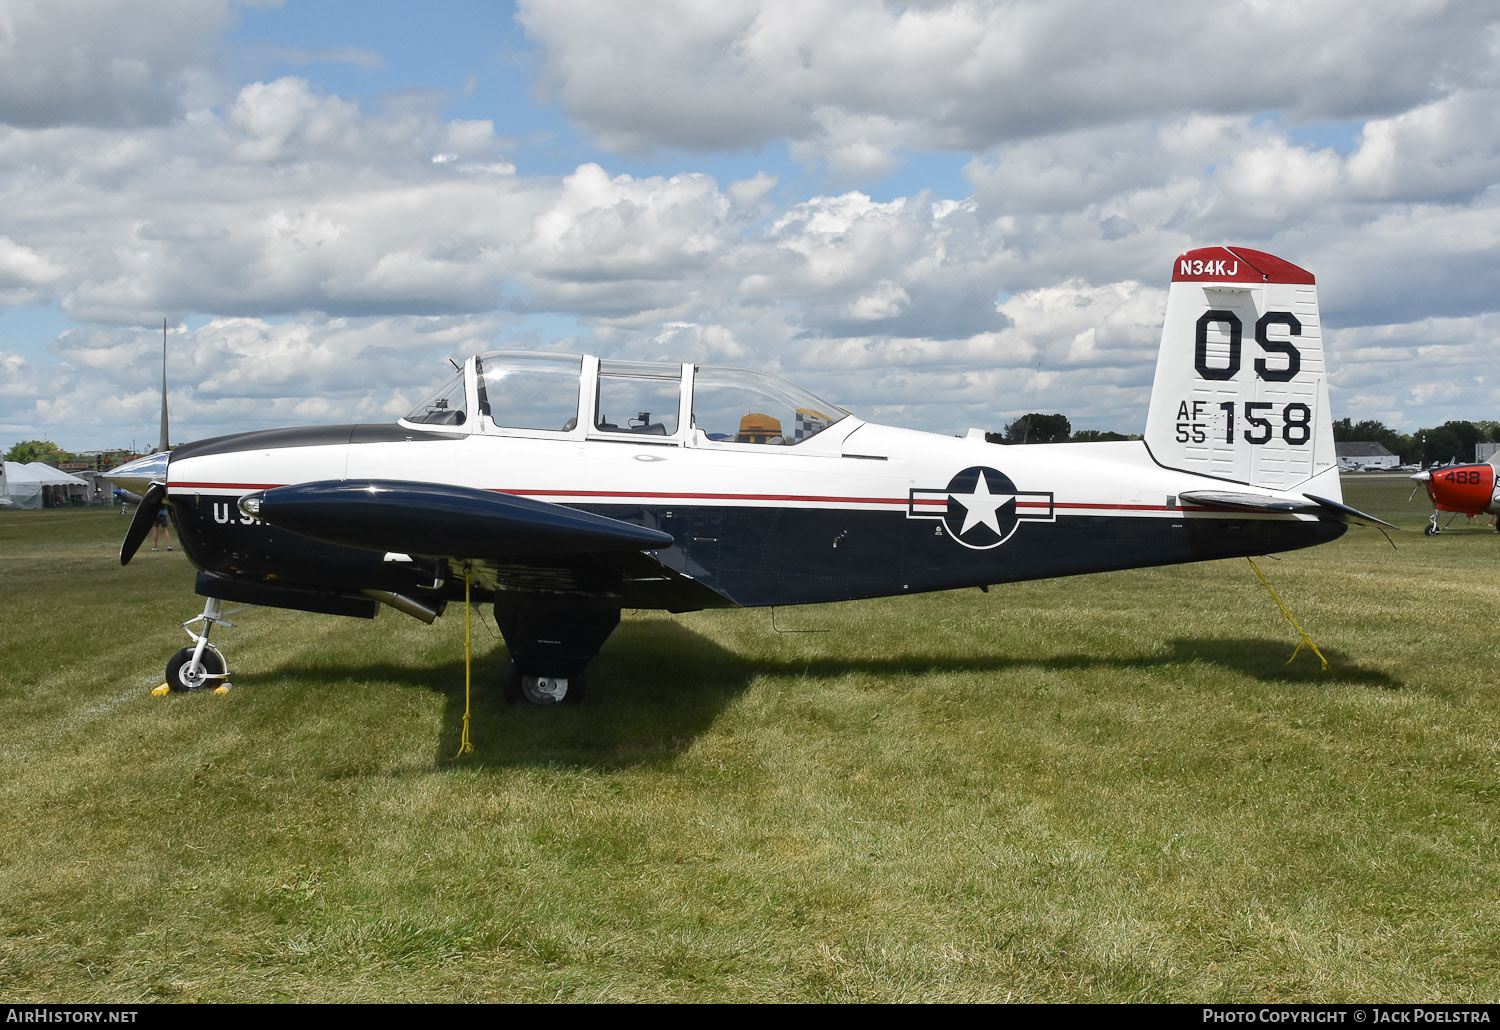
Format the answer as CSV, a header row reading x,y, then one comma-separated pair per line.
x,y
1291,422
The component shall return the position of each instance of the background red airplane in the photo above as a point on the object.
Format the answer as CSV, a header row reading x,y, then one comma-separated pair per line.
x,y
1462,489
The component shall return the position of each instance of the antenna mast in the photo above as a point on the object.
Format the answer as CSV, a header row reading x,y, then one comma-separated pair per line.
x,y
164,444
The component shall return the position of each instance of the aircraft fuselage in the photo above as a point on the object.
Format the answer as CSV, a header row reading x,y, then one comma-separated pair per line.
x,y
865,511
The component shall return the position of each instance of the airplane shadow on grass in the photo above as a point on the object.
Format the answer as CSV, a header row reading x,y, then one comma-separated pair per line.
x,y
658,686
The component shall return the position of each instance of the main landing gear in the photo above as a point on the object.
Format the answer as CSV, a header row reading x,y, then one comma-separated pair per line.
x,y
540,690
551,639
202,666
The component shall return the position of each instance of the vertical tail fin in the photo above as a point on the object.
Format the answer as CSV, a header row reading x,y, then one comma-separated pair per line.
x,y
1241,392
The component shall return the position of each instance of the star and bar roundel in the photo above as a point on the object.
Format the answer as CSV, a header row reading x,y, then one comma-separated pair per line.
x,y
980,507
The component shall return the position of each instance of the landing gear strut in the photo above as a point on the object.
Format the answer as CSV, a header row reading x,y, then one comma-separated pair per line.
x,y
551,639
202,666
1433,529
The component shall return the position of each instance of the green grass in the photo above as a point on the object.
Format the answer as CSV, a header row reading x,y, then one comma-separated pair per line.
x,y
1108,788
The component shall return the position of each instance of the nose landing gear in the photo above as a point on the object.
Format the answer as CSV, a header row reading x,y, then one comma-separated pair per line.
x,y
202,666
1433,529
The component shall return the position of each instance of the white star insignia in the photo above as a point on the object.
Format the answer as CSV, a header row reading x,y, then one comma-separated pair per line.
x,y
981,505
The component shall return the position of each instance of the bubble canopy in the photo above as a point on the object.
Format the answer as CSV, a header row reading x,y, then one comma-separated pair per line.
x,y
542,394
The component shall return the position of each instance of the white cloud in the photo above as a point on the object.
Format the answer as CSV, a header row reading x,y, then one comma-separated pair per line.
x,y
319,232
852,83
81,62
233,374
1449,148
24,273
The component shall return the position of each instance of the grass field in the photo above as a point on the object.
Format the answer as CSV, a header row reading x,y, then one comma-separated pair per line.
x,y
1110,788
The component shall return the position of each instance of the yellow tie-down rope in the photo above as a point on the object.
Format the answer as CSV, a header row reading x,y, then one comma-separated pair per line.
x,y
464,747
1306,640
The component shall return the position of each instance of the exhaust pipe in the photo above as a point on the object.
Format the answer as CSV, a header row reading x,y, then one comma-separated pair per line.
x,y
407,605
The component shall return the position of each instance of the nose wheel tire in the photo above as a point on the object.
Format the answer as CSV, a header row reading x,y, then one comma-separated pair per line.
x,y
539,690
183,674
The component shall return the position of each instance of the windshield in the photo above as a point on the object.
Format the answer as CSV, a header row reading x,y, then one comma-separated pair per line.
x,y
739,406
529,391
444,408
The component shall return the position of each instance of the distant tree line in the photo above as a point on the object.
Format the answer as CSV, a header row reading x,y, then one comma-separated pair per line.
x,y
1036,427
1451,441
36,450
47,452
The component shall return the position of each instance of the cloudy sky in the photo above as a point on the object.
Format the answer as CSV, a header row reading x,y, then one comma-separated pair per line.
x,y
939,214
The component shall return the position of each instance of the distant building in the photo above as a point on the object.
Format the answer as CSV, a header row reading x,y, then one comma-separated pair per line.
x,y
1485,451
1355,454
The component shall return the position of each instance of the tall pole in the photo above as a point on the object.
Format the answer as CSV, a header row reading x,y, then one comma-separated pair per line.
x,y
163,445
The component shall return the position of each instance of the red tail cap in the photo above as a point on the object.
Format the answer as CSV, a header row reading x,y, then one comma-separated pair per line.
x,y
1237,265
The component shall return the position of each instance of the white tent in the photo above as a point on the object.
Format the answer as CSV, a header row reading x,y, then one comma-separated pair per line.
x,y
23,484
69,486
23,488
53,477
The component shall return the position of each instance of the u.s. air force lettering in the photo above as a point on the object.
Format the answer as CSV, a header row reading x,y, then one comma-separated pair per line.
x,y
981,507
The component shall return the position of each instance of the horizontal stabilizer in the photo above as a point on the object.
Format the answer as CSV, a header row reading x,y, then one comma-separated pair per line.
x,y
1251,502
1349,514
439,519
1321,507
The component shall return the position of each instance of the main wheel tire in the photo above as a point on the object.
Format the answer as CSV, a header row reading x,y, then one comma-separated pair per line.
x,y
1431,530
539,690
183,675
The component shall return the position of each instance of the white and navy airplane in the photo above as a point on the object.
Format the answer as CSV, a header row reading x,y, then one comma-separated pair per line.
x,y
565,488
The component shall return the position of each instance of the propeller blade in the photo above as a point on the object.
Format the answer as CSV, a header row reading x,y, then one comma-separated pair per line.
x,y
1420,477
145,517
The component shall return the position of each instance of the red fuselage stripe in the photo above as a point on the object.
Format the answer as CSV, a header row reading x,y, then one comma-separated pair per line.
x,y
802,498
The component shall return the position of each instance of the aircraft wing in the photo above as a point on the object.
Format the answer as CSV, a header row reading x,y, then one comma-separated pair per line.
x,y
517,543
442,520
1321,507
